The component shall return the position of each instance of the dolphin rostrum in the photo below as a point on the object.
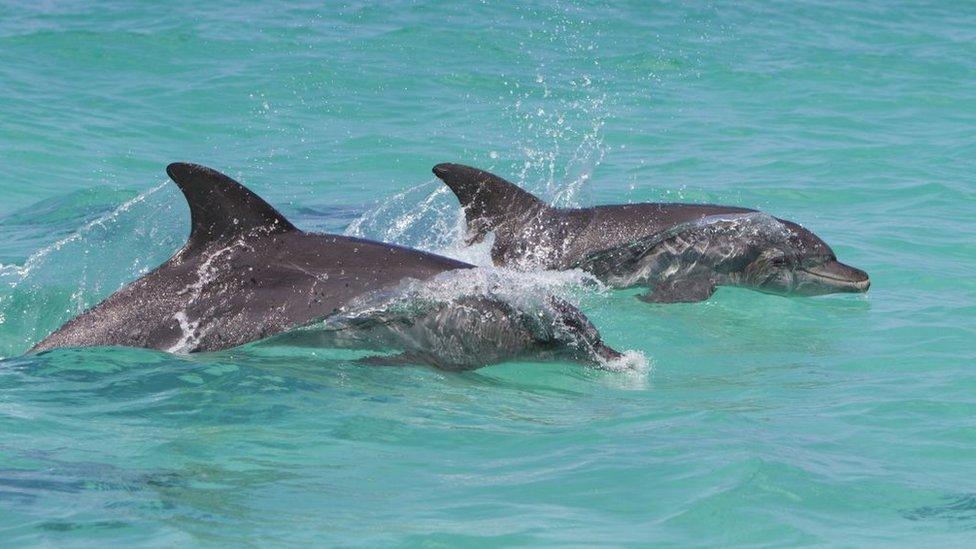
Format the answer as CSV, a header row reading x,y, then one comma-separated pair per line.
x,y
680,251
246,273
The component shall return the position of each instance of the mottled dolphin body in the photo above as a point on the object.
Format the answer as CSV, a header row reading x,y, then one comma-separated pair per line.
x,y
682,252
246,273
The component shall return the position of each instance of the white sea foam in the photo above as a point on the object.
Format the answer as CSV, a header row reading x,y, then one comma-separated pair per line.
x,y
630,361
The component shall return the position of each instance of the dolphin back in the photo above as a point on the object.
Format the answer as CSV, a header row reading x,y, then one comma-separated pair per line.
x,y
221,208
489,202
145,313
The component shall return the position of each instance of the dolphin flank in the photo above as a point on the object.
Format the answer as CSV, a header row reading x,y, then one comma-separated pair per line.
x,y
681,252
246,273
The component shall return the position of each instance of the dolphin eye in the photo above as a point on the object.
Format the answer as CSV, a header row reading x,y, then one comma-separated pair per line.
x,y
779,261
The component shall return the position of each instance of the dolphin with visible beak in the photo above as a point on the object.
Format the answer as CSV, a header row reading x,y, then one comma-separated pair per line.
x,y
681,252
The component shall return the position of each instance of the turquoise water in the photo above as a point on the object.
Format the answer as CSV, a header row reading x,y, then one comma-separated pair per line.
x,y
841,420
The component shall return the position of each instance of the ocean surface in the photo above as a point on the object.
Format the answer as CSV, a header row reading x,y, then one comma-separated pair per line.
x,y
751,419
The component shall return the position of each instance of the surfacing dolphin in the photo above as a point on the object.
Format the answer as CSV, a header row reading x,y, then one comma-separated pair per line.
x,y
246,273
680,251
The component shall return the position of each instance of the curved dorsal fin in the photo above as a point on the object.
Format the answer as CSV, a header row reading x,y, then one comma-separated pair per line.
x,y
488,200
221,208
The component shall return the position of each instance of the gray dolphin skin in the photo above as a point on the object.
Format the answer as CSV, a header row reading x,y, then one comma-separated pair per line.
x,y
246,273
681,252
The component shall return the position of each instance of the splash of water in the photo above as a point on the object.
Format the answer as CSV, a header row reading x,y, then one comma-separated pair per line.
x,y
425,216
71,274
18,273
556,125
630,361
558,117
557,121
561,140
467,318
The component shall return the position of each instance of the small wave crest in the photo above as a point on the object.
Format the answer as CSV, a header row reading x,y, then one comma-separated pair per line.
x,y
630,361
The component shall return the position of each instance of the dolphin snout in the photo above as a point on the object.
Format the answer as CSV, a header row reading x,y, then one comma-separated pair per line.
x,y
862,281
606,353
442,170
840,277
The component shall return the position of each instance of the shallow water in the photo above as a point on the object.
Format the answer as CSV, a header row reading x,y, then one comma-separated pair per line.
x,y
758,419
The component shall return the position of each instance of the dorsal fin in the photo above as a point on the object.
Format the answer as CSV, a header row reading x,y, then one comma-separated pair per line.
x,y
221,208
488,200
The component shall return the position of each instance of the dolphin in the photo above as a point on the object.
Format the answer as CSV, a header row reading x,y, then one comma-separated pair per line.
x,y
681,252
247,274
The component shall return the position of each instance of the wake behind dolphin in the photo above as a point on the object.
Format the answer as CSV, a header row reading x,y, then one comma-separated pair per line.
x,y
246,274
681,252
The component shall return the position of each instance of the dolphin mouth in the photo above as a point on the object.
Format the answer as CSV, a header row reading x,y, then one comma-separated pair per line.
x,y
838,277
